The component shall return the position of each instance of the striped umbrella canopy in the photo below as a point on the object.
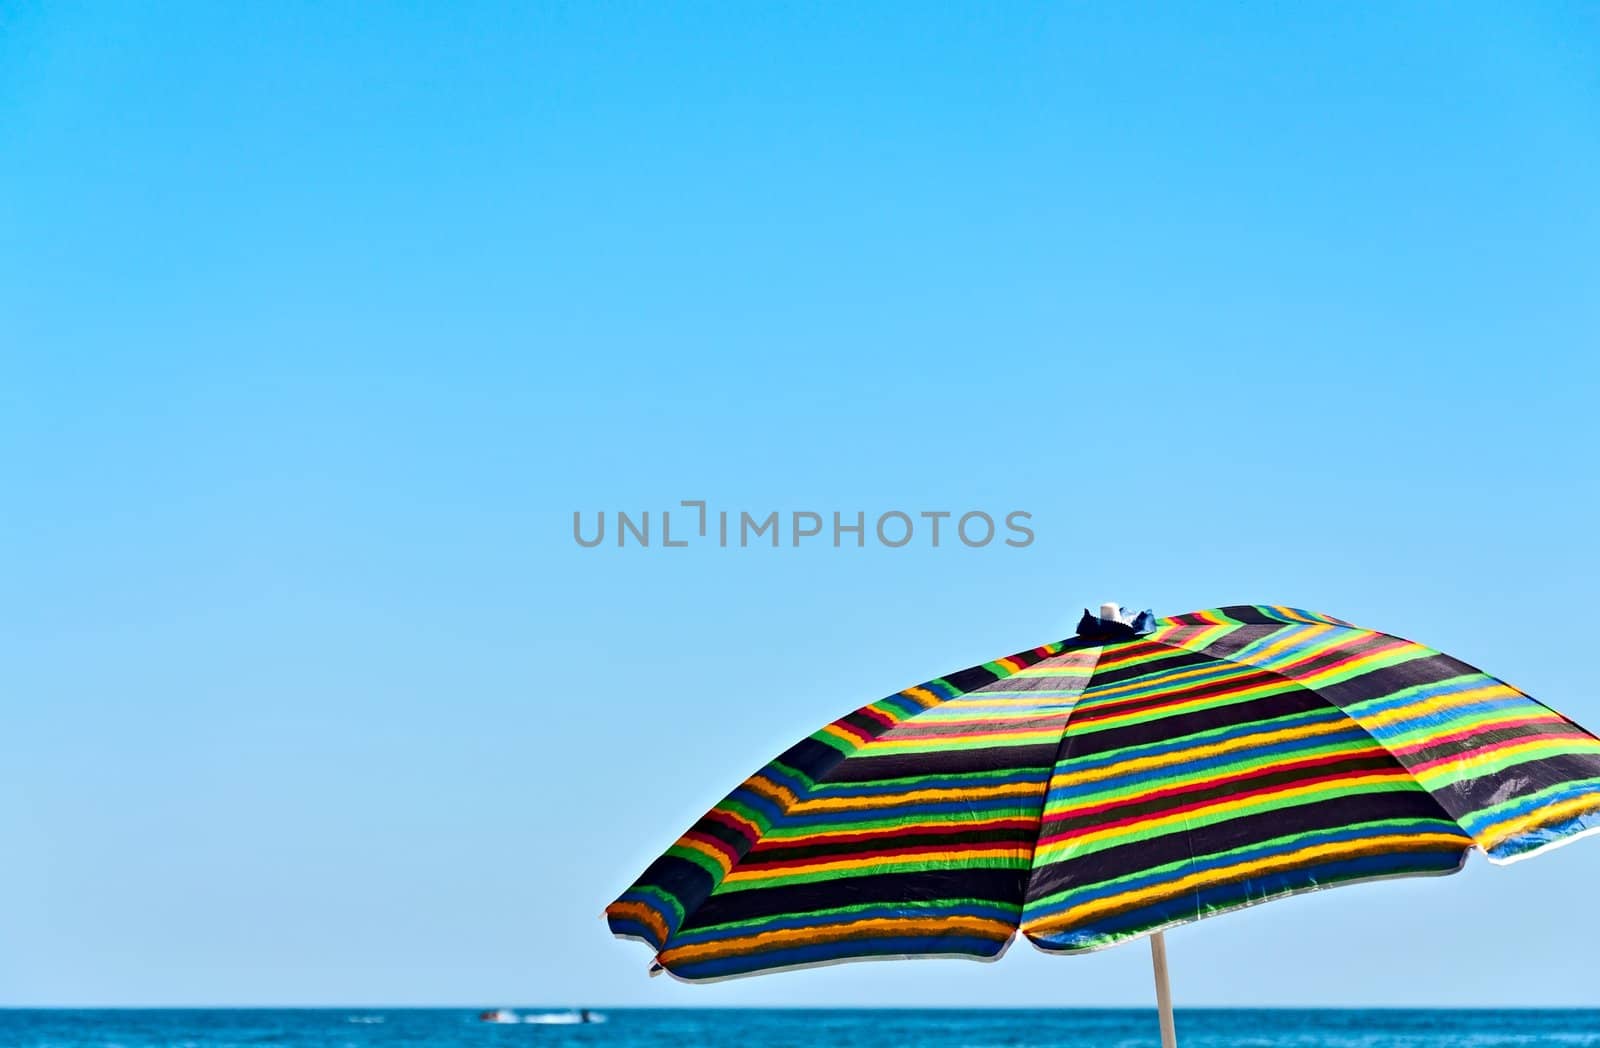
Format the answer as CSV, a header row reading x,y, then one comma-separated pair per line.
x,y
1142,774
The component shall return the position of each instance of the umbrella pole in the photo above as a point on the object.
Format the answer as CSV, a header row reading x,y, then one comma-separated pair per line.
x,y
1158,959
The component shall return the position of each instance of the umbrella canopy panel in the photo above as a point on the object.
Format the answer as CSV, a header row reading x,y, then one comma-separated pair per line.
x,y
1106,786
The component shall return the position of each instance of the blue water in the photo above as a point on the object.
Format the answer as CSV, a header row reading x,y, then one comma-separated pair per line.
x,y
434,1028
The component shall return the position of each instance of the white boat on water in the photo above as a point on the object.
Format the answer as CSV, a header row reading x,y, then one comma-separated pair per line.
x,y
575,1017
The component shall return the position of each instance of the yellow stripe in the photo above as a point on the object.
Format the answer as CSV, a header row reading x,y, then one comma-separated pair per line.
x,y
1082,802
812,805
932,743
1462,767
709,852
849,739
1401,739
1274,798
1209,636
1219,671
839,931
1077,915
1294,639
1244,742
933,858
772,791
1206,702
1435,704
1404,652
1497,833
749,824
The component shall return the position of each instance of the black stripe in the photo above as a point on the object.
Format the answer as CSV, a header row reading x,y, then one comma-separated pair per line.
x,y
1178,659
1385,681
945,762
1201,841
1205,791
810,758
996,885
720,830
1085,741
1249,614
1471,796
1456,747
1245,677
865,844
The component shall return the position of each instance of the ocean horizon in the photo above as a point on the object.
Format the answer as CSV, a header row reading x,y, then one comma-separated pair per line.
x,y
365,1027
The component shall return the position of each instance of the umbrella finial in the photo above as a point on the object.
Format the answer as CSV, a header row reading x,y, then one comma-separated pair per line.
x,y
1115,622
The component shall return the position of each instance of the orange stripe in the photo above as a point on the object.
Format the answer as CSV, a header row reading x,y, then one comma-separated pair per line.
x,y
1076,916
930,857
872,928
638,911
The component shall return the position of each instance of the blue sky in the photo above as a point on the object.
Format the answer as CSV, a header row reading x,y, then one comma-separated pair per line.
x,y
317,323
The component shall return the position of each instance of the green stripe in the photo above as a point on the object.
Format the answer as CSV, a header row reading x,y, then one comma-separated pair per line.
x,y
1144,716
1284,844
1166,779
976,778
833,913
916,866
1027,807
1076,849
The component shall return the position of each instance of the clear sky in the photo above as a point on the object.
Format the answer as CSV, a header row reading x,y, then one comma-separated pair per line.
x,y
318,321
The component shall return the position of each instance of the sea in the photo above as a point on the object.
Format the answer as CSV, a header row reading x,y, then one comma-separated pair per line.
x,y
683,1028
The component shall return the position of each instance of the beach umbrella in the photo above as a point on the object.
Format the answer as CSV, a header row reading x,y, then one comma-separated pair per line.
x,y
1142,774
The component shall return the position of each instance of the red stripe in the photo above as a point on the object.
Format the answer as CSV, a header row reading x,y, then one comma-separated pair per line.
x,y
1505,725
720,845
930,732
1215,688
858,734
774,844
1455,758
885,853
884,718
925,727
1362,653
1240,777
1266,792
733,822
1137,650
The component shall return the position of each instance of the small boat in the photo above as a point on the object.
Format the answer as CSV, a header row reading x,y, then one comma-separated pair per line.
x,y
576,1017
572,1018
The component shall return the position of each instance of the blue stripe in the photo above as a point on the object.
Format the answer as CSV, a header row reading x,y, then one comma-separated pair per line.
x,y
1075,790
942,782
991,806
1195,905
1408,696
954,908
751,799
1284,723
823,952
1545,835
1092,893
1158,681
1481,819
